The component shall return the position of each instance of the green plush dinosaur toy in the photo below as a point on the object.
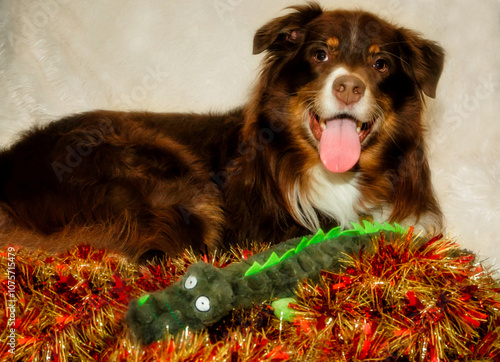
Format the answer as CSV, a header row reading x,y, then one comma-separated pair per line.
x,y
205,293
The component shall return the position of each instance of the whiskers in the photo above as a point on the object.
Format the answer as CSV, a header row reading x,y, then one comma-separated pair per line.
x,y
307,104
379,114
395,56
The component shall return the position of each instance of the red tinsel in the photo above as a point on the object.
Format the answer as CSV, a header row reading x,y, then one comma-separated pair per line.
x,y
400,301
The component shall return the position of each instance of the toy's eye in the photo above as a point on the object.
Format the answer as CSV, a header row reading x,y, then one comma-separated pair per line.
x,y
202,304
190,282
321,56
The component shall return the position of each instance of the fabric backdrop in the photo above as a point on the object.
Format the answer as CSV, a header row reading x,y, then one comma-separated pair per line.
x,y
64,56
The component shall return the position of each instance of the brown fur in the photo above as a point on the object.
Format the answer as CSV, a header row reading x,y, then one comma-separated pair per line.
x,y
134,182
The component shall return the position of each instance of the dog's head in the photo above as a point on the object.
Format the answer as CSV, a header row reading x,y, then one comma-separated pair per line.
x,y
349,86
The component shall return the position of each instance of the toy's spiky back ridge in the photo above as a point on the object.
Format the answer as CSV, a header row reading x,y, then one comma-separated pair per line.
x,y
205,293
320,236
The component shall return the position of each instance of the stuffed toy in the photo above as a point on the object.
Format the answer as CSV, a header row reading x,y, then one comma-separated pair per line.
x,y
205,294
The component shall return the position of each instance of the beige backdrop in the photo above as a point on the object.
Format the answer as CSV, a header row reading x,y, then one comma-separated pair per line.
x,y
63,56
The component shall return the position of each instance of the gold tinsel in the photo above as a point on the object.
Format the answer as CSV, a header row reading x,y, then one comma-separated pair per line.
x,y
402,301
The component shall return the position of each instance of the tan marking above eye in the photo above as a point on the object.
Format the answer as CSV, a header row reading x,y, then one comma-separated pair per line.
x,y
374,49
333,42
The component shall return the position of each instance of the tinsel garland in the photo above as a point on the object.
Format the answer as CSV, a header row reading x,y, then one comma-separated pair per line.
x,y
404,302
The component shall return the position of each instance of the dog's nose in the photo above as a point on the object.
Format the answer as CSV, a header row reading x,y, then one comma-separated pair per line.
x,y
348,89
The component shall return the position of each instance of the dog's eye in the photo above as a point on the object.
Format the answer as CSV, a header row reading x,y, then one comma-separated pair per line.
x,y
380,65
320,56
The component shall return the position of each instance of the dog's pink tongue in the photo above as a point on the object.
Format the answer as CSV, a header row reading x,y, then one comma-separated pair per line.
x,y
339,146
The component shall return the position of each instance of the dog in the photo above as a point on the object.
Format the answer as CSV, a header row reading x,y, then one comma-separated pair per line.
x,y
331,133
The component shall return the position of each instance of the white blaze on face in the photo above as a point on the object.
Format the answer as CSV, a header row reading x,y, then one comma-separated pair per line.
x,y
340,143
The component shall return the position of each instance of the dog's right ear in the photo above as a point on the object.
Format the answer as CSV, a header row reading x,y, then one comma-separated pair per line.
x,y
286,32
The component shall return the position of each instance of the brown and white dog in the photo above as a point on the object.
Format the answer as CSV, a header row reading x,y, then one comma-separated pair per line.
x,y
332,132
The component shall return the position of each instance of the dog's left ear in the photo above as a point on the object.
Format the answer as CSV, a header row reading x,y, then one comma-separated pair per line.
x,y
287,32
422,60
